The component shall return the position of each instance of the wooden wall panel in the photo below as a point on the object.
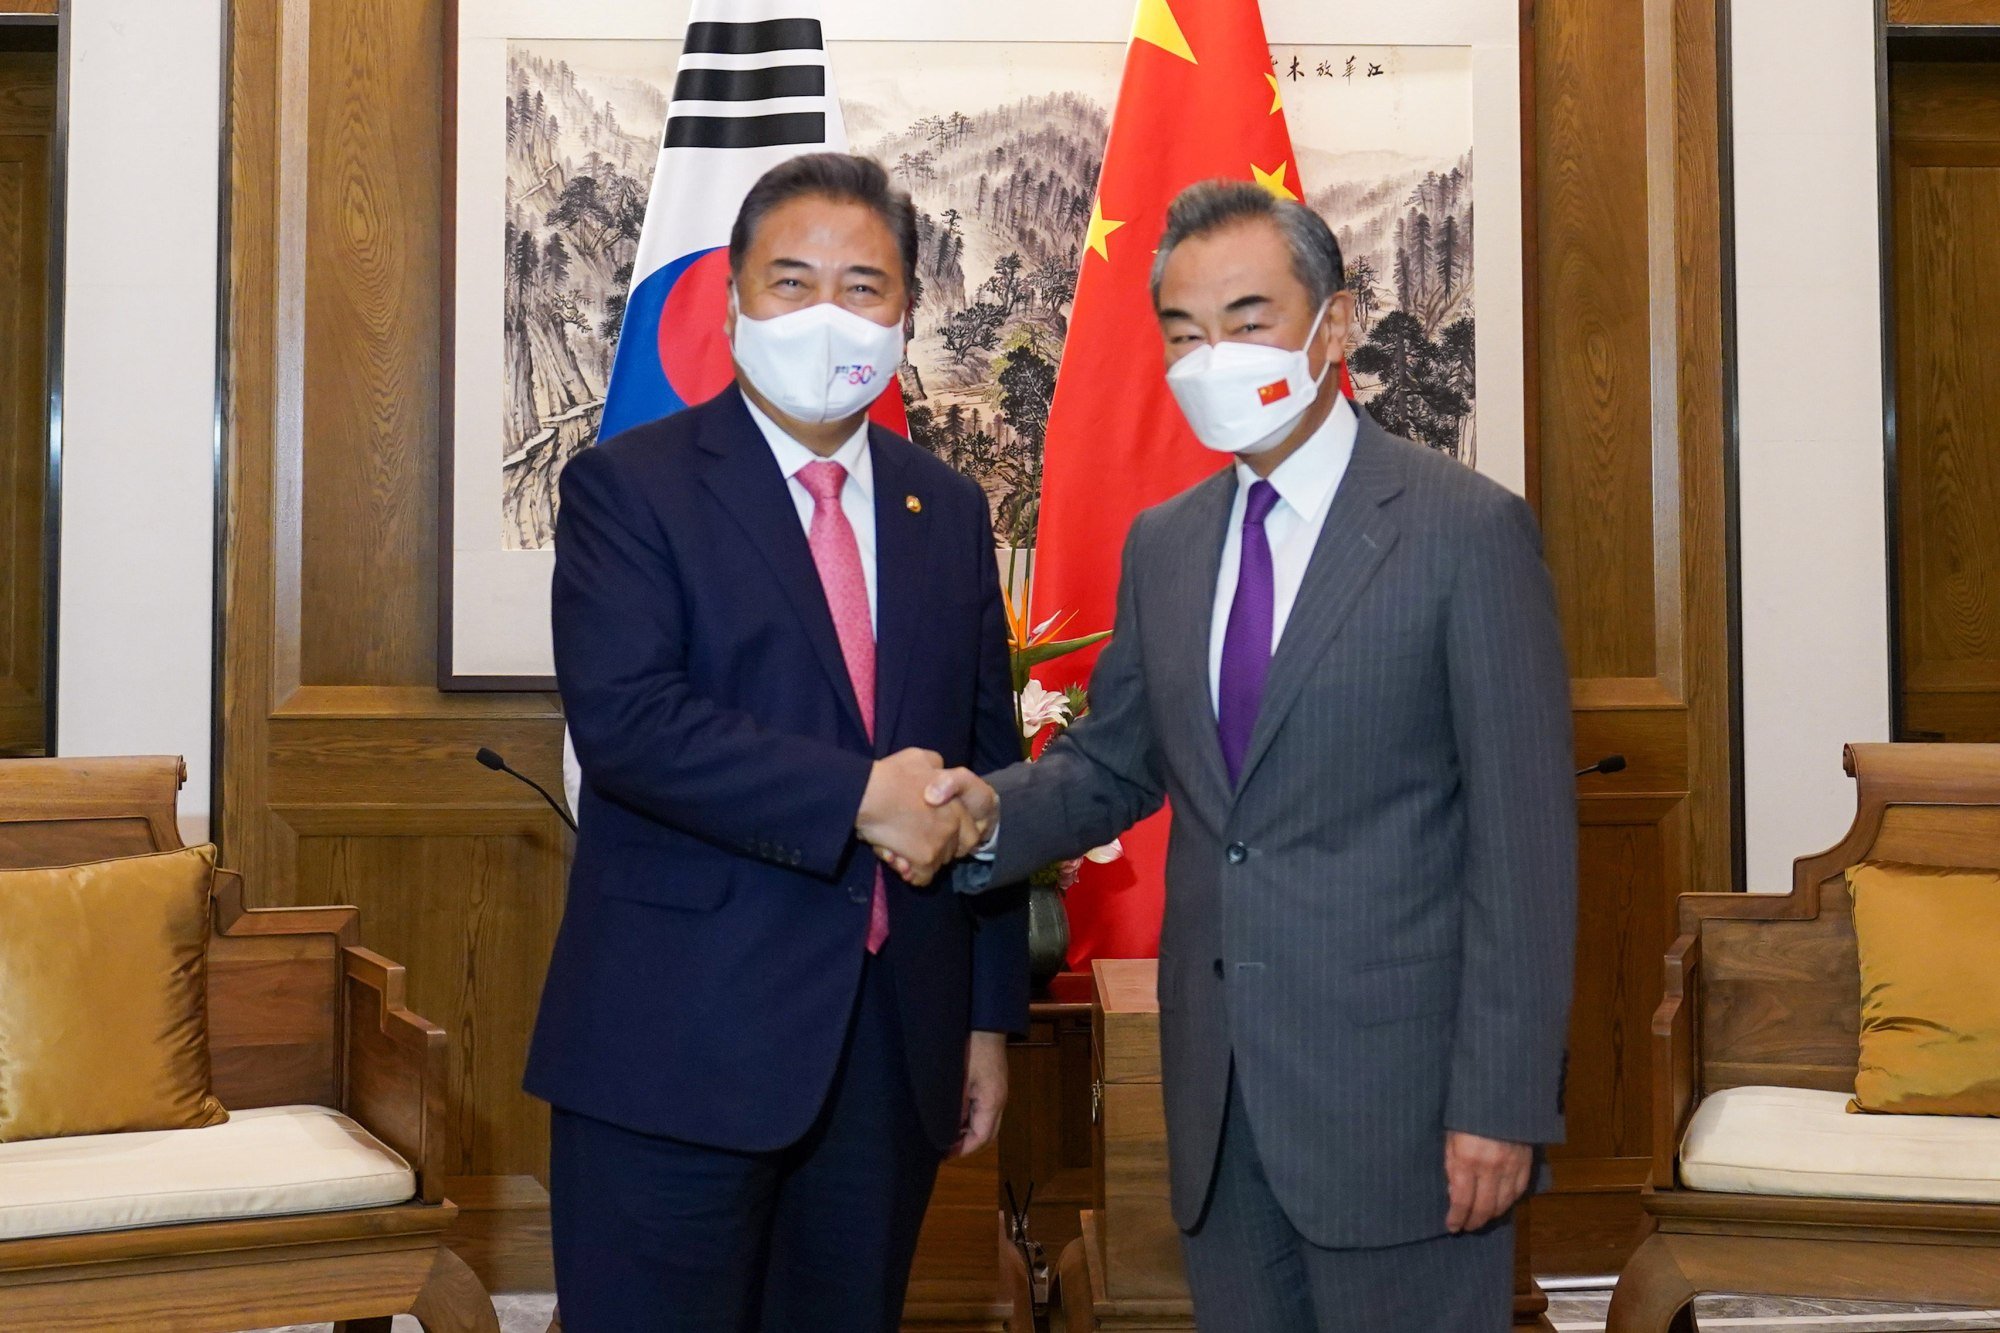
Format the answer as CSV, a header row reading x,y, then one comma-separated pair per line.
x,y
1594,393
372,342
1629,225
1944,12
346,776
446,886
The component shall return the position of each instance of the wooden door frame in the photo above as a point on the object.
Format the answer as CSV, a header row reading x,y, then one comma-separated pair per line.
x,y
47,14
1943,29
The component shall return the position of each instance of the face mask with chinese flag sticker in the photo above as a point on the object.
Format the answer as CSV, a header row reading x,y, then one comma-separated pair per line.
x,y
1244,398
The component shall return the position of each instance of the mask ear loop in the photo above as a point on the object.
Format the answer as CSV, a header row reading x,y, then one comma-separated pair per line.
x,y
1312,333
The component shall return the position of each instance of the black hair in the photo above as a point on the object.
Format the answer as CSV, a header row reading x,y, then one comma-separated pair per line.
x,y
843,177
1210,206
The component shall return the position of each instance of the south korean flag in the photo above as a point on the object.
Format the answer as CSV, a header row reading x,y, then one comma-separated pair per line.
x,y
753,88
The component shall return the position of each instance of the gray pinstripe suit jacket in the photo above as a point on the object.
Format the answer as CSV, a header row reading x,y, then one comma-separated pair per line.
x,y
1378,924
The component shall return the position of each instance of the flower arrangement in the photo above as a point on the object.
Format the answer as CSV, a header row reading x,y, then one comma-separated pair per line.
x,y
1042,713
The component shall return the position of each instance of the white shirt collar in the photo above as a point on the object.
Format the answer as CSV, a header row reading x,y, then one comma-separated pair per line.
x,y
1306,480
792,456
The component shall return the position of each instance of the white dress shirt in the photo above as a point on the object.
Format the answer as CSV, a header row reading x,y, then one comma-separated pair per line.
x,y
857,498
1305,483
857,501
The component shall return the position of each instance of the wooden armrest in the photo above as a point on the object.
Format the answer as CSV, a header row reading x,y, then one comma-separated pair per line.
x,y
394,1070
1676,1074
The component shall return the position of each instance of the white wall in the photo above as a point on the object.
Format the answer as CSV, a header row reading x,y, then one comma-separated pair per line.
x,y
1809,320
139,369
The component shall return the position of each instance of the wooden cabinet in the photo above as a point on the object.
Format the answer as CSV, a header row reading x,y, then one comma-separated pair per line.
x,y
1125,1271
1136,1235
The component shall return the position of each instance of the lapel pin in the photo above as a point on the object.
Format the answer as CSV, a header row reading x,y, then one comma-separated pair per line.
x,y
913,504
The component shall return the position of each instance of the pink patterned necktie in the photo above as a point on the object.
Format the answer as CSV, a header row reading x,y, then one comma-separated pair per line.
x,y
838,557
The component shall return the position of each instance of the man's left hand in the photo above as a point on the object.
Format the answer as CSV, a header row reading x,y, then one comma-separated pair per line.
x,y
1487,1177
985,1092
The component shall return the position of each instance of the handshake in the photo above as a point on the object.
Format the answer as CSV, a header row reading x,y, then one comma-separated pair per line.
x,y
919,817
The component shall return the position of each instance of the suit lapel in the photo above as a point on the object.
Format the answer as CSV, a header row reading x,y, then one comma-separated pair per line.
x,y
902,578
1192,566
747,481
1352,545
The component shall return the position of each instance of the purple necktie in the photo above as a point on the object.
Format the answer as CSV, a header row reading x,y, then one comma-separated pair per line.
x,y
1246,643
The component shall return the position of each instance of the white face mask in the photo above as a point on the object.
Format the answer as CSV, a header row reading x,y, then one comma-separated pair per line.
x,y
1244,398
823,363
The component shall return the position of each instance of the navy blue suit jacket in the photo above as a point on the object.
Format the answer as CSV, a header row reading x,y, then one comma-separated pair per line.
x,y
713,939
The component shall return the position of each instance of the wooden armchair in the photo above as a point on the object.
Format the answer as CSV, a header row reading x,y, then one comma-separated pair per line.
x,y
1764,991
298,1015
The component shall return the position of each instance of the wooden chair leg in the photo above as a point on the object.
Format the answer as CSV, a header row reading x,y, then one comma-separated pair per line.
x,y
1653,1294
1071,1309
454,1300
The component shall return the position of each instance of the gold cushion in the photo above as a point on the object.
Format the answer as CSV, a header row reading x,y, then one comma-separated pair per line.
x,y
1930,1008
104,997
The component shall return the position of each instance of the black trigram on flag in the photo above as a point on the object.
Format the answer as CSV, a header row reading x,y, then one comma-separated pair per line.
x,y
754,64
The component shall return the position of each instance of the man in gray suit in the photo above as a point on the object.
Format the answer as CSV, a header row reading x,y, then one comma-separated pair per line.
x,y
1339,659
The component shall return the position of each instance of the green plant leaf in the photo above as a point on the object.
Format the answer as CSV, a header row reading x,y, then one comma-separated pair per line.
x,y
1027,659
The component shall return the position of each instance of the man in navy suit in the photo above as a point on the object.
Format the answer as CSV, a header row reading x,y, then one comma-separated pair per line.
x,y
774,624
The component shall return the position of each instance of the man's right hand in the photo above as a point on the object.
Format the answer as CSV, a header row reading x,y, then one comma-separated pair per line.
x,y
909,831
963,790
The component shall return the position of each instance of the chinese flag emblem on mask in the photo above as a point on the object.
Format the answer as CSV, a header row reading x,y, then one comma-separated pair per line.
x,y
1276,391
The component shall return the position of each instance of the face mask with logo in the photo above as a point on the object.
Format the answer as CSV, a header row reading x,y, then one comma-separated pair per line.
x,y
1244,398
823,363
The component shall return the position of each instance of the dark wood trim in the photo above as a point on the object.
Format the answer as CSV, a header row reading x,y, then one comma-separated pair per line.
x,y
1942,13
1694,138
1885,212
53,325
1732,422
218,640
1531,264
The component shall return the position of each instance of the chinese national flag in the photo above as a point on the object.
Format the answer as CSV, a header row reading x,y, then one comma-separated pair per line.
x,y
1199,101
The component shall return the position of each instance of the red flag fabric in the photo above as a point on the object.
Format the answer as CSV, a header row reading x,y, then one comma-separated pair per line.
x,y
1199,100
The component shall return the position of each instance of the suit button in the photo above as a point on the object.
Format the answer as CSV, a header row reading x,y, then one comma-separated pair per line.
x,y
1238,853
1218,967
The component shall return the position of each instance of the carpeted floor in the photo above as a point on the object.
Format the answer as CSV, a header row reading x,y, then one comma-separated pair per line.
x,y
1573,1312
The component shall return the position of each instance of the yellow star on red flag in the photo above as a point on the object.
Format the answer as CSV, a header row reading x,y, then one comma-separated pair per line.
x,y
1156,23
1274,181
1277,98
1101,228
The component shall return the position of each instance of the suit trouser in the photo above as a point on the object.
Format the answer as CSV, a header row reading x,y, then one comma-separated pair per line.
x,y
654,1235
1251,1271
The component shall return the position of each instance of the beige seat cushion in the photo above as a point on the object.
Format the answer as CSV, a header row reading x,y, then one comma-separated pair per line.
x,y
261,1163
1803,1143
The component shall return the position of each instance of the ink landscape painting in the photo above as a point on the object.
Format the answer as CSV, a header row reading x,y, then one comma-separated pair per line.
x,y
1000,146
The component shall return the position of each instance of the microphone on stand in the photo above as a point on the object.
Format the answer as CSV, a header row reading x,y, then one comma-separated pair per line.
x,y
1611,763
492,760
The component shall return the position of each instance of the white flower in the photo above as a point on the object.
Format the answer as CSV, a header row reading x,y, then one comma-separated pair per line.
x,y
1041,706
1105,855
